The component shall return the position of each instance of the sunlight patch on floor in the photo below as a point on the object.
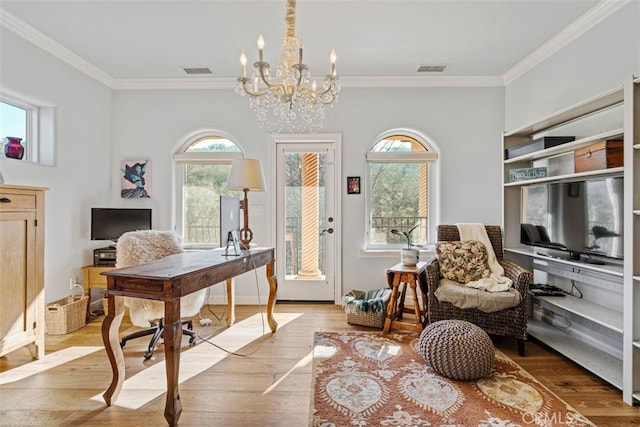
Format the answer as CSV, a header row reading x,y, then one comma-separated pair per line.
x,y
301,364
49,361
151,383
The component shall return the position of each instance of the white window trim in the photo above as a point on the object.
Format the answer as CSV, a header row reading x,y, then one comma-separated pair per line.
x,y
180,158
40,127
433,188
402,156
206,157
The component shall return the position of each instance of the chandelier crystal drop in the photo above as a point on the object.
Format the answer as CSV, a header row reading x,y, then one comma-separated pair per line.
x,y
291,100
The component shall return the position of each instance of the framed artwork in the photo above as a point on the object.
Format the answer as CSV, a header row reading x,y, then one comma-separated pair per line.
x,y
353,185
134,179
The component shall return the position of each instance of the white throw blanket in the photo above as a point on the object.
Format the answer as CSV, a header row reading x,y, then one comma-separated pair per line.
x,y
496,282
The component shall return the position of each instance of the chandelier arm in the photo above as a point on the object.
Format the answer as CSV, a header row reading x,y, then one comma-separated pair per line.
x,y
328,90
299,68
333,98
262,77
245,84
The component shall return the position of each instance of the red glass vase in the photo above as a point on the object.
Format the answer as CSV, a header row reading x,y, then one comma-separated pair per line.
x,y
13,148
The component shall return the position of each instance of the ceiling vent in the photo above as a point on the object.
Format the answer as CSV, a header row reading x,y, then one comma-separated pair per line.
x,y
197,70
431,68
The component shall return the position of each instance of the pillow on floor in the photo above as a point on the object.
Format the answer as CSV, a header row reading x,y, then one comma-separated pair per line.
x,y
463,261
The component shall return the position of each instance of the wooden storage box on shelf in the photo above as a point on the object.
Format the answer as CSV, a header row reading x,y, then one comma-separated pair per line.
x,y
601,155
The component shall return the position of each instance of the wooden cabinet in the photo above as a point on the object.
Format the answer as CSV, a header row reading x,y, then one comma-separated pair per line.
x,y
22,259
597,324
93,277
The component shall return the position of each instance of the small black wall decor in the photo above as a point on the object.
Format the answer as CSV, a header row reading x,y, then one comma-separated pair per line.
x,y
353,185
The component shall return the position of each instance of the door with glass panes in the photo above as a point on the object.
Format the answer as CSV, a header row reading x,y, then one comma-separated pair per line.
x,y
306,225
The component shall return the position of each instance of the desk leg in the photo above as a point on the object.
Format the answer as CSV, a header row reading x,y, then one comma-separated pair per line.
x,y
110,327
273,292
231,304
172,340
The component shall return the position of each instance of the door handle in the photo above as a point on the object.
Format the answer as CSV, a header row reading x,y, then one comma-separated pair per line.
x,y
326,230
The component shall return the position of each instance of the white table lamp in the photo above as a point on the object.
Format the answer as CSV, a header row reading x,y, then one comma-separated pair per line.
x,y
245,175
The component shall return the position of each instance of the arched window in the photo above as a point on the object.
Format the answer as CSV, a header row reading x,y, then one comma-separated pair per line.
x,y
202,166
400,189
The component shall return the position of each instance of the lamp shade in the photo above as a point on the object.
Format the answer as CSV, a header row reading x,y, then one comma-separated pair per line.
x,y
246,174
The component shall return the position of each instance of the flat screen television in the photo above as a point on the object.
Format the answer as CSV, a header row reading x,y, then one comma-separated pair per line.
x,y
580,218
111,223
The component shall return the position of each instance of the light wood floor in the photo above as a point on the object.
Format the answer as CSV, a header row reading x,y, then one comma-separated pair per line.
x,y
268,385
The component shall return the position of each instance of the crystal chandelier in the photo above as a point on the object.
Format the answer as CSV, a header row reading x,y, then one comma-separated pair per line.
x,y
292,101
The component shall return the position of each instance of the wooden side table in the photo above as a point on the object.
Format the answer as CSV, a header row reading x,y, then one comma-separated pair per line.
x,y
402,278
94,279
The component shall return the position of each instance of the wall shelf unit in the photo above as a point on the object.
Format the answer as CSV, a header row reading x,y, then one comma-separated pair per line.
x,y
569,146
603,333
568,177
631,335
607,367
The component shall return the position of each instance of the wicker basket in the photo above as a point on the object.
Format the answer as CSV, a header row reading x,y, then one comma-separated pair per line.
x,y
66,315
370,318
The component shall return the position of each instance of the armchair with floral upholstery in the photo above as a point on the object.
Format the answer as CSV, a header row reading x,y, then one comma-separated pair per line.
x,y
506,322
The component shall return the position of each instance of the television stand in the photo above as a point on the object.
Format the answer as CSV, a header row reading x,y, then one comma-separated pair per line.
x,y
594,261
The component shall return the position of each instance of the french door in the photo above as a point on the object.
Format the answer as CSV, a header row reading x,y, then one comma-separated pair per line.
x,y
307,239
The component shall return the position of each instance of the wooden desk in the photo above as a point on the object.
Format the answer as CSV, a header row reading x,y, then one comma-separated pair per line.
x,y
167,280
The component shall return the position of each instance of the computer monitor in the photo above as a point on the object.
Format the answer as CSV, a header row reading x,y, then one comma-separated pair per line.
x,y
229,217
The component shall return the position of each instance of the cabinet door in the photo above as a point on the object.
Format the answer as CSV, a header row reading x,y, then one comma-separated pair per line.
x,y
17,282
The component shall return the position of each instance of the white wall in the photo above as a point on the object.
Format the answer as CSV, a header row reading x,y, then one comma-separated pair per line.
x,y
465,123
96,128
599,61
80,177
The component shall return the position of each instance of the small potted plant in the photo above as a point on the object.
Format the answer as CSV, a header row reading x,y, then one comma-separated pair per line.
x,y
410,255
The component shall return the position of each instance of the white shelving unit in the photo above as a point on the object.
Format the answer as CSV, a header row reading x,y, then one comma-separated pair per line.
x,y
631,335
606,366
596,313
610,306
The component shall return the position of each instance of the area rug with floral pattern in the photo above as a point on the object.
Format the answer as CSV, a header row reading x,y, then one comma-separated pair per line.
x,y
374,379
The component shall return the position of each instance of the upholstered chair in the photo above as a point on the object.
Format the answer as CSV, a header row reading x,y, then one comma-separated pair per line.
x,y
141,247
511,321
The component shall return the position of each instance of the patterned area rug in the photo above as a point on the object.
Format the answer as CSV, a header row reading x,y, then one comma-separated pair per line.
x,y
373,379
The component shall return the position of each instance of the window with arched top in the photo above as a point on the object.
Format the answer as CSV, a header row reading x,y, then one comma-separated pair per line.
x,y
399,192
202,168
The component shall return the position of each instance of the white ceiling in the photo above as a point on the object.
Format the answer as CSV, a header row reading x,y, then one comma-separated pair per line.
x,y
123,41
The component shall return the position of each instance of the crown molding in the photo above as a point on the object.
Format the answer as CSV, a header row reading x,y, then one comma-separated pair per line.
x,y
587,21
52,47
420,81
590,19
345,82
175,83
39,39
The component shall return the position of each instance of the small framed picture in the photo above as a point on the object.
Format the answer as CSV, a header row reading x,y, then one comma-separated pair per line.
x,y
134,180
353,185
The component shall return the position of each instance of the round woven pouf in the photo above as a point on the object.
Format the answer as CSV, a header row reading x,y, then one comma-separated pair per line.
x,y
457,349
